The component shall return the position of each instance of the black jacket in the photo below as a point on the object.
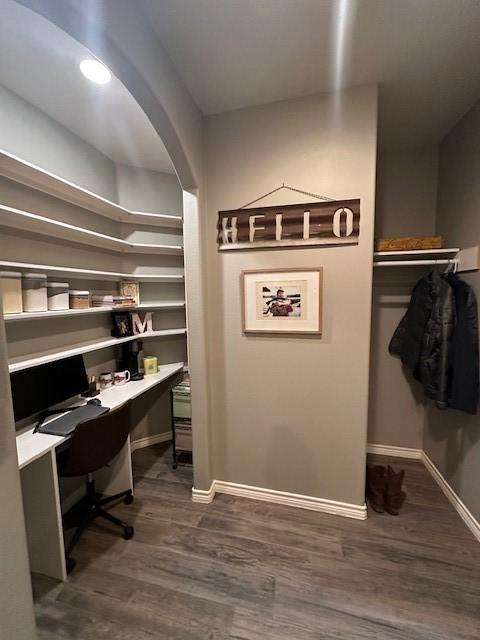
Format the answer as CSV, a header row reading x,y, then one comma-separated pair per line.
x,y
465,353
406,342
423,339
434,368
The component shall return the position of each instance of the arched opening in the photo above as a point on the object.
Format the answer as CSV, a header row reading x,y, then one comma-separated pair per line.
x,y
91,198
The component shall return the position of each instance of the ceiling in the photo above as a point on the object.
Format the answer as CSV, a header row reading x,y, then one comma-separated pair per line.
x,y
39,62
237,53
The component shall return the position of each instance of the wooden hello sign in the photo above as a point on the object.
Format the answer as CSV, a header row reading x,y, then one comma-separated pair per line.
x,y
292,225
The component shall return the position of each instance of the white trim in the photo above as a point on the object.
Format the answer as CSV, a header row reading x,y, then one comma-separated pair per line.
x,y
396,452
359,512
148,441
466,515
202,495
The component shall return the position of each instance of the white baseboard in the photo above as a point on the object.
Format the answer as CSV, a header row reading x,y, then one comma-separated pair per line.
x,y
397,452
150,440
467,516
312,503
204,496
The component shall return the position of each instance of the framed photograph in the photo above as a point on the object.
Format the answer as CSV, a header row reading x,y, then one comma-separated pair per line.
x,y
287,301
122,324
130,290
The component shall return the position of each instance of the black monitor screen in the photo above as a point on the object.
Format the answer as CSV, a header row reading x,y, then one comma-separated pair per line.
x,y
39,388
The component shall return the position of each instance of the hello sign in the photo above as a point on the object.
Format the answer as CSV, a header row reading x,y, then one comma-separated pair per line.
x,y
315,223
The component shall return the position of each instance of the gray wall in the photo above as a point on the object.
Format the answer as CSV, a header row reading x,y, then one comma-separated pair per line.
x,y
290,413
16,607
149,191
30,134
452,439
405,204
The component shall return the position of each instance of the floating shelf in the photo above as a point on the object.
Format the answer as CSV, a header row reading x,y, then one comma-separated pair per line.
x,y
463,259
152,219
20,363
416,252
43,315
34,176
90,274
35,223
415,257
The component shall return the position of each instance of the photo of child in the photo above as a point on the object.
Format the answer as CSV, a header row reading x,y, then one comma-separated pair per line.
x,y
279,300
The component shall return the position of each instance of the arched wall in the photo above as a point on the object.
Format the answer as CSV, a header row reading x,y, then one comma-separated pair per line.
x,y
119,35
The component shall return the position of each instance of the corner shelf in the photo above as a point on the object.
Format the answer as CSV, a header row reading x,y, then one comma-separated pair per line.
x,y
31,175
154,219
90,274
36,223
20,363
43,315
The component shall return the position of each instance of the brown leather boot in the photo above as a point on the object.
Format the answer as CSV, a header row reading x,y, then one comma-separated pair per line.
x,y
394,496
376,487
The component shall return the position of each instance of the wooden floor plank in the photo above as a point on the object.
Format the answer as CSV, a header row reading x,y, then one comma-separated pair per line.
x,y
244,570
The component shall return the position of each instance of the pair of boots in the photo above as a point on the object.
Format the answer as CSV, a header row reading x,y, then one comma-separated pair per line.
x,y
384,489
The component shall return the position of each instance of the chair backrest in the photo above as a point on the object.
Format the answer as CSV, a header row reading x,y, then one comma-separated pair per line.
x,y
97,441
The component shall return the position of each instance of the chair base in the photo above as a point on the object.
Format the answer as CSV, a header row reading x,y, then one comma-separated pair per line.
x,y
89,509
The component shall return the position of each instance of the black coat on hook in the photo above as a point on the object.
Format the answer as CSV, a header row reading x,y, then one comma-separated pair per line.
x,y
437,340
464,387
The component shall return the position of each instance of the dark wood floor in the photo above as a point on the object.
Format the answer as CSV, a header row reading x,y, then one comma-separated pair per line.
x,y
247,570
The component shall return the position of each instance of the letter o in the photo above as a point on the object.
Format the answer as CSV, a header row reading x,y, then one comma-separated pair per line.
x,y
337,219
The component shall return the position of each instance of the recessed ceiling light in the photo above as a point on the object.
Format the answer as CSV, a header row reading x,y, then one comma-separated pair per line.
x,y
95,71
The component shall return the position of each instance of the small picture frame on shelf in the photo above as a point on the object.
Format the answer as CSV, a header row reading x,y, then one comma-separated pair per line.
x,y
122,324
130,289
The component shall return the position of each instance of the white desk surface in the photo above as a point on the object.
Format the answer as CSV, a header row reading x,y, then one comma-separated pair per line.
x,y
31,446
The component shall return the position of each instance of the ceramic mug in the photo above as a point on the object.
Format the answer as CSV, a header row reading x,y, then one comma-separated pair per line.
x,y
121,377
105,380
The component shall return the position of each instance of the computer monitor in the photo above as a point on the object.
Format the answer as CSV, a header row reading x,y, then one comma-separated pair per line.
x,y
38,388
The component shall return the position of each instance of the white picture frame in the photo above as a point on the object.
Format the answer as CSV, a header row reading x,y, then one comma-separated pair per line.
x,y
287,301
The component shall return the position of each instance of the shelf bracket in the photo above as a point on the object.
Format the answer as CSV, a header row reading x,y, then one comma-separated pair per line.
x,y
468,259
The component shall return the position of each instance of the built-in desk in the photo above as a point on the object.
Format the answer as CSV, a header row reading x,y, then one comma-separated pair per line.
x,y
41,496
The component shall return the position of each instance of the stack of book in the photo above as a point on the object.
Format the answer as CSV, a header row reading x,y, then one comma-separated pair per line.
x,y
182,417
109,300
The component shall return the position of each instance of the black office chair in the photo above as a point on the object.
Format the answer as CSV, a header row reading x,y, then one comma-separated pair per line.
x,y
94,444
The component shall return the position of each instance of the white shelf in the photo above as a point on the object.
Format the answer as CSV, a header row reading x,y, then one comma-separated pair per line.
x,y
89,274
154,219
42,315
171,304
34,176
415,257
17,364
416,252
35,223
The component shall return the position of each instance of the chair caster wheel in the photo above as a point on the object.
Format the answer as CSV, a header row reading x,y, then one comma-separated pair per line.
x,y
128,498
128,533
70,565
